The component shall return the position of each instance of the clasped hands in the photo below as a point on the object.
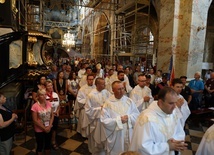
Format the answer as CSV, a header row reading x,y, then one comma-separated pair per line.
x,y
48,128
146,99
124,119
177,145
180,102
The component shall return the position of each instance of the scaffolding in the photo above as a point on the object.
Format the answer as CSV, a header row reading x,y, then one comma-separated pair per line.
x,y
133,39
128,38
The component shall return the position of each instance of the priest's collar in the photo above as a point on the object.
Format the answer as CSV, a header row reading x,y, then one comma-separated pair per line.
x,y
160,111
114,99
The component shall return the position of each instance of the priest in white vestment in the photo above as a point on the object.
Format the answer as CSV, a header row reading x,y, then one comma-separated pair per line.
x,y
125,79
99,71
141,94
93,107
182,108
83,80
121,77
82,71
107,79
158,130
79,107
206,146
118,117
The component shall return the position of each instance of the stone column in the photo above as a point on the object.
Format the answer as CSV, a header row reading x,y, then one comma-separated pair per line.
x,y
181,40
182,29
197,36
166,22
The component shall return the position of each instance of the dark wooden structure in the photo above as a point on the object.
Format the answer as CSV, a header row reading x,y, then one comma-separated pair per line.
x,y
203,115
8,75
9,84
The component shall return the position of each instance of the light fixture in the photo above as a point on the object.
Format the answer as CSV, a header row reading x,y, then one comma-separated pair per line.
x,y
68,40
2,1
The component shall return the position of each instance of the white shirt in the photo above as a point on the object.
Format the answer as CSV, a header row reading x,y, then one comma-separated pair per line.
x,y
55,102
73,85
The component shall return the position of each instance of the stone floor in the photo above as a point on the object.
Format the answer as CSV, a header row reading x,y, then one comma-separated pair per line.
x,y
72,143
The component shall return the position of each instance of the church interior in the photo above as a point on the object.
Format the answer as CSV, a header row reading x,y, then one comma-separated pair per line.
x,y
164,35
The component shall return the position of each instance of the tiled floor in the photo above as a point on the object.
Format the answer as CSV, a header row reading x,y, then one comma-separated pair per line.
x,y
69,141
72,143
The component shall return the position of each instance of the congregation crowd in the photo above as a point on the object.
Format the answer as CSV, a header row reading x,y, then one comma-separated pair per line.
x,y
119,107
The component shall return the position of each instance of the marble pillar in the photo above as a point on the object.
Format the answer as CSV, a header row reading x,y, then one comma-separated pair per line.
x,y
181,39
197,36
166,16
182,30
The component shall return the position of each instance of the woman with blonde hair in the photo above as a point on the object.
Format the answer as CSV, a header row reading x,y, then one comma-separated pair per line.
x,y
42,115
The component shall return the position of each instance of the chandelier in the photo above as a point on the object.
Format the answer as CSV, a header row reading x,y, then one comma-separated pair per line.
x,y
68,40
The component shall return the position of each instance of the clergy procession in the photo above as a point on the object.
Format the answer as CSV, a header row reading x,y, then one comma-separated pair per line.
x,y
118,118
120,112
